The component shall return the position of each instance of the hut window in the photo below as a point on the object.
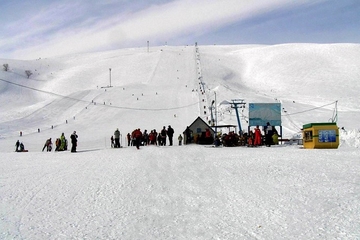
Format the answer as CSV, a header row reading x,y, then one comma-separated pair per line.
x,y
308,136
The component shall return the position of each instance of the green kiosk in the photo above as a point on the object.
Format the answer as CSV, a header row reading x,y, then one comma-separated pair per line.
x,y
320,135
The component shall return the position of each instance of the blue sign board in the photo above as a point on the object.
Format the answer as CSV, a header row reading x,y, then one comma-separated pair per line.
x,y
261,113
327,136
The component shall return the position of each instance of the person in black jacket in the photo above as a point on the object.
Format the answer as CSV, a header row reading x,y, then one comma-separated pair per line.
x,y
117,138
73,138
163,136
170,133
268,134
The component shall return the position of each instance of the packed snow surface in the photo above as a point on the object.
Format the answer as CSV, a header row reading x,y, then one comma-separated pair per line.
x,y
179,192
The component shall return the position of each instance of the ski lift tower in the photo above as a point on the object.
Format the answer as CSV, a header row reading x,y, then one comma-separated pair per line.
x,y
213,120
110,76
238,103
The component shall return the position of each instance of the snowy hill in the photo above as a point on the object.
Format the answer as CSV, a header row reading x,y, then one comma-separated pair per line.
x,y
156,88
179,192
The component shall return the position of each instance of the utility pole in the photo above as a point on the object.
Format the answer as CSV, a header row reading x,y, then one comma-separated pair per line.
x,y
110,76
238,103
213,119
215,114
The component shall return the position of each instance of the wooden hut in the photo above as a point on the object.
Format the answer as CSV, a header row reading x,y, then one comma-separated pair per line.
x,y
198,132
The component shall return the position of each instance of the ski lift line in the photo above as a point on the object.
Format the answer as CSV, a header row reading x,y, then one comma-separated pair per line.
x,y
293,123
310,109
111,106
35,89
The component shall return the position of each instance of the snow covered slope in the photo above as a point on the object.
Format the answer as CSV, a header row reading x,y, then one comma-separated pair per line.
x,y
178,192
161,87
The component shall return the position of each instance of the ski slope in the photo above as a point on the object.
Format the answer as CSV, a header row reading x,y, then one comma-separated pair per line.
x,y
179,192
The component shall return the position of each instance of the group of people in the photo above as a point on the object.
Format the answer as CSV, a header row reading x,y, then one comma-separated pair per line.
x,y
19,146
256,138
61,143
138,138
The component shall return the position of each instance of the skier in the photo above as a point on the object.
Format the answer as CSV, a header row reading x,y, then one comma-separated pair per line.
x,y
73,141
47,145
117,138
57,144
180,138
112,141
170,133
17,145
62,143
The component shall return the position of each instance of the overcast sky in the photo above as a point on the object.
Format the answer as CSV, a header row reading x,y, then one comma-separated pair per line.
x,y
45,28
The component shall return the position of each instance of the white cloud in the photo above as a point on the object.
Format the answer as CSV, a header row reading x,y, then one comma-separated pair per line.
x,y
158,23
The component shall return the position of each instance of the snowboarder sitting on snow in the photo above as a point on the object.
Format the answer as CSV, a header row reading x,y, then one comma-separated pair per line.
x,y
22,147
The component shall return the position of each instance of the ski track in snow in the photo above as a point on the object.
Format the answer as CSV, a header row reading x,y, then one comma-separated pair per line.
x,y
159,193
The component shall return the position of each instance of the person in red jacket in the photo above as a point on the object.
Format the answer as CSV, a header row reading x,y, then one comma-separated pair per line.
x,y
138,137
257,136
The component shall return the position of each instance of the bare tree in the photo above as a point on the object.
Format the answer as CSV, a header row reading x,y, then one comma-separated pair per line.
x,y
6,67
28,73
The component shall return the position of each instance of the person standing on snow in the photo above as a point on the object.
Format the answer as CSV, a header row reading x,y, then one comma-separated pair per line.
x,y
188,133
62,142
128,136
268,134
170,133
257,136
117,138
180,138
138,137
47,145
163,136
17,145
73,138
275,136
112,141
159,139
